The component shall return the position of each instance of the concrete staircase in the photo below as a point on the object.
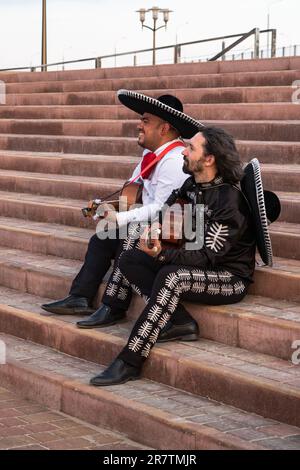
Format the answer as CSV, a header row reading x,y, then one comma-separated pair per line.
x,y
65,139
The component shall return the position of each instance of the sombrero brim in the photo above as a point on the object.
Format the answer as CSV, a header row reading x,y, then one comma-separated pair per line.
x,y
265,207
186,125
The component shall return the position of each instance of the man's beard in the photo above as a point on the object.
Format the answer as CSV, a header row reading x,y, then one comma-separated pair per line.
x,y
141,143
198,167
186,169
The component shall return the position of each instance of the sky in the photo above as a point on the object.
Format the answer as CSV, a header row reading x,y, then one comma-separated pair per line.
x,y
88,28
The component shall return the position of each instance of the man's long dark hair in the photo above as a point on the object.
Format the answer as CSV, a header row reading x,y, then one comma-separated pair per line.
x,y
221,144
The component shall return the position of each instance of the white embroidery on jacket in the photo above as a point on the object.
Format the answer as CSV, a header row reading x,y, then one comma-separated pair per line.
x,y
216,236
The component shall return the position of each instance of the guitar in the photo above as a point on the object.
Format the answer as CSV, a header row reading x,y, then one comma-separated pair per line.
x,y
170,231
130,194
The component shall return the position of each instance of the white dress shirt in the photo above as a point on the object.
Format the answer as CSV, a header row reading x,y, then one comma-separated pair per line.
x,y
166,176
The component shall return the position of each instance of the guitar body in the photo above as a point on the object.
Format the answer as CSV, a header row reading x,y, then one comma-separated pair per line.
x,y
131,194
171,231
172,234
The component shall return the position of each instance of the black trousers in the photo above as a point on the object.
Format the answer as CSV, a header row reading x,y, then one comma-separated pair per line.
x,y
96,264
99,256
165,286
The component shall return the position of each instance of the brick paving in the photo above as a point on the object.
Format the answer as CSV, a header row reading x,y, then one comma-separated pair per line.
x,y
25,425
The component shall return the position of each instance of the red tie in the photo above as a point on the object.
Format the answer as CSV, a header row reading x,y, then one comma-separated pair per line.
x,y
147,159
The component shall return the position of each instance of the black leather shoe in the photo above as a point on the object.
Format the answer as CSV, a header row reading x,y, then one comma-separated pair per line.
x,y
118,372
186,332
71,305
104,316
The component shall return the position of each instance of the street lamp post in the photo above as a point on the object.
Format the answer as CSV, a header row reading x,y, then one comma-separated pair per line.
x,y
44,36
155,12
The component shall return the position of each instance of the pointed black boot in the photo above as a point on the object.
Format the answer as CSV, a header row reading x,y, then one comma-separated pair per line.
x,y
71,305
104,316
118,372
187,332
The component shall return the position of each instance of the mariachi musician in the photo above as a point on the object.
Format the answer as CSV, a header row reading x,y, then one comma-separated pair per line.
x,y
218,271
162,124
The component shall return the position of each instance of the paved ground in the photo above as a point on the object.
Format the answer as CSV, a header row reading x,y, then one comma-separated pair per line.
x,y
26,425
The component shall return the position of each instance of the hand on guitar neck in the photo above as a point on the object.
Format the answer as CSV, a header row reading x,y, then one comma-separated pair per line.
x,y
129,195
100,210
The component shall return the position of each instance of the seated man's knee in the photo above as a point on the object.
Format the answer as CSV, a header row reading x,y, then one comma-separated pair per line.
x,y
168,274
95,241
134,257
126,259
96,244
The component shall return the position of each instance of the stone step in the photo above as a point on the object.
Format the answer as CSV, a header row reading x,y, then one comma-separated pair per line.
x,y
228,66
152,414
228,111
255,324
267,280
270,152
242,130
279,178
259,130
290,207
256,94
236,325
270,78
266,152
63,164
44,209
71,242
275,177
285,236
45,238
285,239
74,144
83,187
67,211
42,273
220,372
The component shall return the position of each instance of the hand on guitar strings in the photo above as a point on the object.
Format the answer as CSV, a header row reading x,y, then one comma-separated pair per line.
x,y
149,240
107,212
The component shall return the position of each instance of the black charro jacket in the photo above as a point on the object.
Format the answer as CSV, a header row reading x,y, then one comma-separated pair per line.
x,y
229,239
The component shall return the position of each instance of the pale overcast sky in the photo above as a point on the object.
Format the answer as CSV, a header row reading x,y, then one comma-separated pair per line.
x,y
87,28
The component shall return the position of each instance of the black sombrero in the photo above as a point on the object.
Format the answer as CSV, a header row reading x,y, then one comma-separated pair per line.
x,y
265,207
167,107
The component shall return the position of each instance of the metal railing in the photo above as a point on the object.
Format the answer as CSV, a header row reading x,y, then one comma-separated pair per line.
x,y
177,48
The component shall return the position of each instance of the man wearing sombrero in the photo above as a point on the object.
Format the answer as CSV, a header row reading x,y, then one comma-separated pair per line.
x,y
217,272
161,126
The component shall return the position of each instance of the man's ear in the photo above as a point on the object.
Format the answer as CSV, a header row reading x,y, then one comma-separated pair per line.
x,y
210,160
165,129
